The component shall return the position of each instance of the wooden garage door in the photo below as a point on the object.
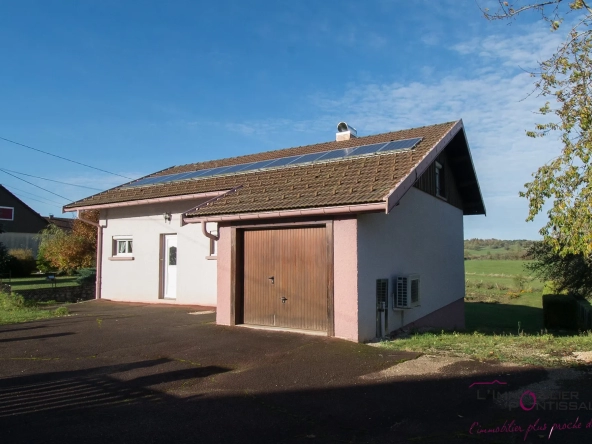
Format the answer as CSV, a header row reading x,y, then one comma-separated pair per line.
x,y
285,278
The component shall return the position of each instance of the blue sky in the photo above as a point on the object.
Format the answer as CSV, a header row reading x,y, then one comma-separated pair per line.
x,y
137,86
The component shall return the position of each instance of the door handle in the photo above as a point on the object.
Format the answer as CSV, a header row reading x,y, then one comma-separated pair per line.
x,y
271,279
284,299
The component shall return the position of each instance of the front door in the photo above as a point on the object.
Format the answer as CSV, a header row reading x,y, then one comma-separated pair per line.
x,y
170,266
285,278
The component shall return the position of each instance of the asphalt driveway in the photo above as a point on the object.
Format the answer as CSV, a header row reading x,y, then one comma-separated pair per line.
x,y
125,373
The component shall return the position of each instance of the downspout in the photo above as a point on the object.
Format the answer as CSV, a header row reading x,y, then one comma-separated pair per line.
x,y
99,253
208,234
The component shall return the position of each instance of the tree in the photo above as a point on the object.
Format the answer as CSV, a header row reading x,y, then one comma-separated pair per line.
x,y
571,273
565,78
4,258
67,252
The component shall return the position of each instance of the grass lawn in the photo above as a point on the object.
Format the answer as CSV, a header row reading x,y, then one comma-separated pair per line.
x,y
542,349
39,281
525,313
503,322
14,309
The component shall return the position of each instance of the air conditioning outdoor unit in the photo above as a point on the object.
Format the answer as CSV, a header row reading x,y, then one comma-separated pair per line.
x,y
407,291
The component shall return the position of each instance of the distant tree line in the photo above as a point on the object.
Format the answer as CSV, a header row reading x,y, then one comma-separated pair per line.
x,y
497,249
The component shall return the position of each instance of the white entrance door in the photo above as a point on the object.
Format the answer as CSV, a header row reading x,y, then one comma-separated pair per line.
x,y
170,266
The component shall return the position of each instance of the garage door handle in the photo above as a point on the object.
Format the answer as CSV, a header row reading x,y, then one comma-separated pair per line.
x,y
284,299
271,279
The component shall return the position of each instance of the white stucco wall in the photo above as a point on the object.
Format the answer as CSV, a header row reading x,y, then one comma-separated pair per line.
x,y
138,280
422,235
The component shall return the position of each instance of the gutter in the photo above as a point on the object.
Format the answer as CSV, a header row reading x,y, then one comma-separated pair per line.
x,y
206,233
145,201
99,260
345,209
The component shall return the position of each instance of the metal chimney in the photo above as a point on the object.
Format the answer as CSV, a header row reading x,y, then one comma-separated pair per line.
x,y
345,132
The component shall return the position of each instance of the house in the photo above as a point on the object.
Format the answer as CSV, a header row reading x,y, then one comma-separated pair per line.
x,y
351,238
20,223
63,223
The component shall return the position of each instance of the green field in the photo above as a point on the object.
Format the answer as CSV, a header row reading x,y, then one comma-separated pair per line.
x,y
478,249
501,281
501,296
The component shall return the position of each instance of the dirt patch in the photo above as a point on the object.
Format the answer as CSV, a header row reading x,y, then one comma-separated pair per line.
x,y
583,356
424,365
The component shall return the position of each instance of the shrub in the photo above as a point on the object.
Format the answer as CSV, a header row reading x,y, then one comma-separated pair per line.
x,y
22,262
11,301
61,311
86,276
519,282
560,311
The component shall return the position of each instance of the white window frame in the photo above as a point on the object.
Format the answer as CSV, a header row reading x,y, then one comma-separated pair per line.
x,y
12,213
128,241
440,191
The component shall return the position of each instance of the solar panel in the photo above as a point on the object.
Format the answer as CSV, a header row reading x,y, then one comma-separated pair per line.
x,y
401,144
259,165
367,149
309,158
284,161
236,168
335,154
214,171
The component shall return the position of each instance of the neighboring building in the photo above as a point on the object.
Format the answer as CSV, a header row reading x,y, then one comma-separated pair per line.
x,y
21,224
314,238
63,223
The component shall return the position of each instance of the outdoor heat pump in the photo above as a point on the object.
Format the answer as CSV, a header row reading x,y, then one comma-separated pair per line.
x,y
381,307
407,291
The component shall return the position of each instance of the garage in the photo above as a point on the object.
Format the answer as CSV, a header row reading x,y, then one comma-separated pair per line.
x,y
286,278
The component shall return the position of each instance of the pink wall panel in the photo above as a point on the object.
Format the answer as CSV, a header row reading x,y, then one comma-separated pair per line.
x,y
346,278
223,282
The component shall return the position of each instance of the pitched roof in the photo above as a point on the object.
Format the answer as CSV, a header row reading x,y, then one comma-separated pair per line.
x,y
60,222
348,181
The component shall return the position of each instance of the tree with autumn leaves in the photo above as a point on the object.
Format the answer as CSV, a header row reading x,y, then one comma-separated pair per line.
x,y
67,252
565,80
565,182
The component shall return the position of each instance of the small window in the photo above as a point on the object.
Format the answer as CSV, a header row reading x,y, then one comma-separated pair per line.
x,y
440,188
123,246
213,250
172,255
6,213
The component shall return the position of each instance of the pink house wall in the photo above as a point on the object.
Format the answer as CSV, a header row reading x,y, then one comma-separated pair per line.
x,y
223,280
345,257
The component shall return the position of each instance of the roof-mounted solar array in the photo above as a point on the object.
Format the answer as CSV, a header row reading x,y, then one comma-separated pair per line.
x,y
345,153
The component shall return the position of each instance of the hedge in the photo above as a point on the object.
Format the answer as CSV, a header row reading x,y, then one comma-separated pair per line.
x,y
560,311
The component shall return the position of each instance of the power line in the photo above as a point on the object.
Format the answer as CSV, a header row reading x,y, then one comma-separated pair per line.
x,y
41,188
51,180
31,194
30,198
63,158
